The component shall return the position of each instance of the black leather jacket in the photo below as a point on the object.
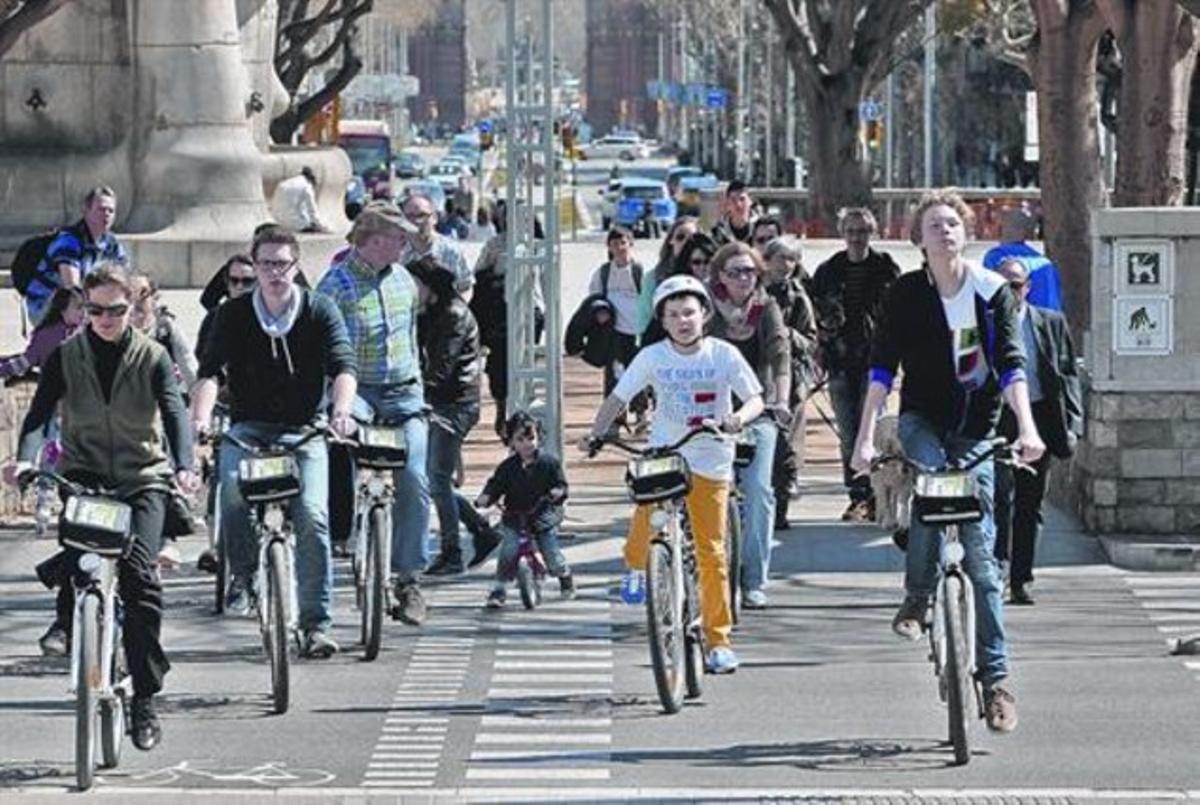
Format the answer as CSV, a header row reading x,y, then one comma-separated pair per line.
x,y
449,340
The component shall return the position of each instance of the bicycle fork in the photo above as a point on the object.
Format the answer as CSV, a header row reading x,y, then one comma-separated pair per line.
x,y
952,566
103,581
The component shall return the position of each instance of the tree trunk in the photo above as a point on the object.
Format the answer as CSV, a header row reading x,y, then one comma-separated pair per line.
x,y
1063,68
836,167
1158,45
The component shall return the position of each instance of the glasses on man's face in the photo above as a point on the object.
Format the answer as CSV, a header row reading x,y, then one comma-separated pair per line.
x,y
1017,285
275,266
241,282
107,311
698,261
419,215
680,237
858,232
740,273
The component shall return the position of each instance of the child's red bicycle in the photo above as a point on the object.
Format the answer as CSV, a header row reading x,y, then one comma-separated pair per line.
x,y
527,566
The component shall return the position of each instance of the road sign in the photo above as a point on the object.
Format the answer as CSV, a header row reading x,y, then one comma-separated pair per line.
x,y
485,126
716,98
870,110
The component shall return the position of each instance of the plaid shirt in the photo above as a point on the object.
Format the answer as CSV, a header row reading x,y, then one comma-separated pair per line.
x,y
380,309
447,253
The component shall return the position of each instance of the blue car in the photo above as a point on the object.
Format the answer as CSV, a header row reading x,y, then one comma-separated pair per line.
x,y
644,206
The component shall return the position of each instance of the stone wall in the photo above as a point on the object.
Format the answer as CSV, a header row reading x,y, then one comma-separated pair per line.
x,y
14,402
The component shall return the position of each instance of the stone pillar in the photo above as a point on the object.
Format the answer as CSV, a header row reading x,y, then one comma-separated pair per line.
x,y
1137,471
198,170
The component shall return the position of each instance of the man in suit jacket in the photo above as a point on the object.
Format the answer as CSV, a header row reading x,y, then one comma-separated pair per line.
x,y
1057,411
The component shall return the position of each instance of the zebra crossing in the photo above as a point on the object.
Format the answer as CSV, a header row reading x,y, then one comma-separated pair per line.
x,y
411,748
1172,603
547,710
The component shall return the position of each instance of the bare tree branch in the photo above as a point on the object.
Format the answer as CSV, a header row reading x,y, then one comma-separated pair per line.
x,y
18,16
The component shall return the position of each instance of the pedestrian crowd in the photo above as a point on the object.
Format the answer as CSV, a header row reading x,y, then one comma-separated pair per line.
x,y
728,326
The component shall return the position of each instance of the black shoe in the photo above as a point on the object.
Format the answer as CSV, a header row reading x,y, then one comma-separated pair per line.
x,y
240,599
1021,596
900,538
484,543
446,564
206,562
496,599
566,586
340,549
144,726
55,642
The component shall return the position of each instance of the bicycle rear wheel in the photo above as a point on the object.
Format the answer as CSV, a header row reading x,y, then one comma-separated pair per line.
x,y
733,555
276,637
87,674
375,572
959,687
664,619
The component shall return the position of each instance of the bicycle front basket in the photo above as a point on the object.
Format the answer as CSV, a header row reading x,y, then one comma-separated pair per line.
x,y
269,476
660,478
96,525
381,447
946,497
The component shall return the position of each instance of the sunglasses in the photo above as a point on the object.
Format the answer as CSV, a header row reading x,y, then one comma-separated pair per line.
x,y
1017,285
278,266
739,273
680,237
698,261
243,282
111,311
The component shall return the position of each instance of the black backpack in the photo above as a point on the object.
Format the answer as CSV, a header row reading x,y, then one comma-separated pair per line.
x,y
29,257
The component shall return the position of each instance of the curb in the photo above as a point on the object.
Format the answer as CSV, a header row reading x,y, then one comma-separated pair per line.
x,y
1152,553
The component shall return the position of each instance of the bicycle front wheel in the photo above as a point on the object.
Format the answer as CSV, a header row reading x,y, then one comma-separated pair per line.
x,y
375,572
959,687
276,637
733,556
664,619
87,676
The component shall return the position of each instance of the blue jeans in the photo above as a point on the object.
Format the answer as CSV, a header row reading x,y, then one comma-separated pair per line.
x,y
758,505
410,508
547,542
448,429
924,444
309,513
847,392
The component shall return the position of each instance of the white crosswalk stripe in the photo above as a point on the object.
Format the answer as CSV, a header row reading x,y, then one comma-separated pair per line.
x,y
1171,602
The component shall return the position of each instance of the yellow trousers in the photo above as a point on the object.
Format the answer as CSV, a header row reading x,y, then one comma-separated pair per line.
x,y
706,512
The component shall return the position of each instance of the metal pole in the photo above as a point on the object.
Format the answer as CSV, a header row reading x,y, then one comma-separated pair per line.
x,y
660,108
930,78
740,117
887,131
769,155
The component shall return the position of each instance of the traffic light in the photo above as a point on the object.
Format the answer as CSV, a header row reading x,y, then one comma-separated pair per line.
x,y
486,140
874,135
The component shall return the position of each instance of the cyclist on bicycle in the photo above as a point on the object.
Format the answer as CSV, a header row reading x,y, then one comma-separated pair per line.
x,y
378,299
117,393
953,328
277,347
533,487
693,378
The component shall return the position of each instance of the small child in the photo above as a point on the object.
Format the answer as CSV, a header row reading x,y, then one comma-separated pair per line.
x,y
533,486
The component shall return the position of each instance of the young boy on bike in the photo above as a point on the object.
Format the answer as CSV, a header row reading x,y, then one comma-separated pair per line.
x,y
694,379
533,487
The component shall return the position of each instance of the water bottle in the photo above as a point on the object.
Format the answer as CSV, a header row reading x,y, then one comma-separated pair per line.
x,y
633,587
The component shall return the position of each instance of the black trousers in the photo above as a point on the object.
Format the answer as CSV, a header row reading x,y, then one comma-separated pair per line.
x,y
140,590
1019,496
624,349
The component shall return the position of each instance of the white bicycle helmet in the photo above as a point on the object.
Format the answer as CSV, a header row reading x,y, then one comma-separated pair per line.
x,y
680,285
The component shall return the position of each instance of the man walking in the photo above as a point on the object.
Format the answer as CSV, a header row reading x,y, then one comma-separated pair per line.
x,y
424,241
848,290
737,221
1054,396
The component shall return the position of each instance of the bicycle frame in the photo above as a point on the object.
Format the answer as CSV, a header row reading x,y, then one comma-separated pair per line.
x,y
102,582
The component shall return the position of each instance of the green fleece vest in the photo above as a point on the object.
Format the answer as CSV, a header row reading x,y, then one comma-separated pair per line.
x,y
120,440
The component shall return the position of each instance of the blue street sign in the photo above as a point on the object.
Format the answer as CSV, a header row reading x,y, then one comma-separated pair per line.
x,y
695,94
485,126
870,110
716,98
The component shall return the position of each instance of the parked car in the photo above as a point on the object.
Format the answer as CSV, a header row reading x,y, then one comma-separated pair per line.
x,y
448,175
644,206
678,172
409,165
688,196
617,146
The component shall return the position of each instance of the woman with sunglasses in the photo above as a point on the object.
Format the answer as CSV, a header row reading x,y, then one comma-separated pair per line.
x,y
116,391
746,316
239,279
691,260
683,228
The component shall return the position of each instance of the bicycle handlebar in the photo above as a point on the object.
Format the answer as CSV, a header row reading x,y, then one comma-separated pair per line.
x,y
27,477
711,430
999,447
307,434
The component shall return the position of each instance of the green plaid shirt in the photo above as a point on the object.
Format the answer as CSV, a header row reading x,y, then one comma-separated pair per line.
x,y
380,309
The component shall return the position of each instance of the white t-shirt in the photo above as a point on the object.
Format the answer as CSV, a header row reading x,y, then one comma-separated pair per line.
x,y
687,390
966,334
294,204
622,293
